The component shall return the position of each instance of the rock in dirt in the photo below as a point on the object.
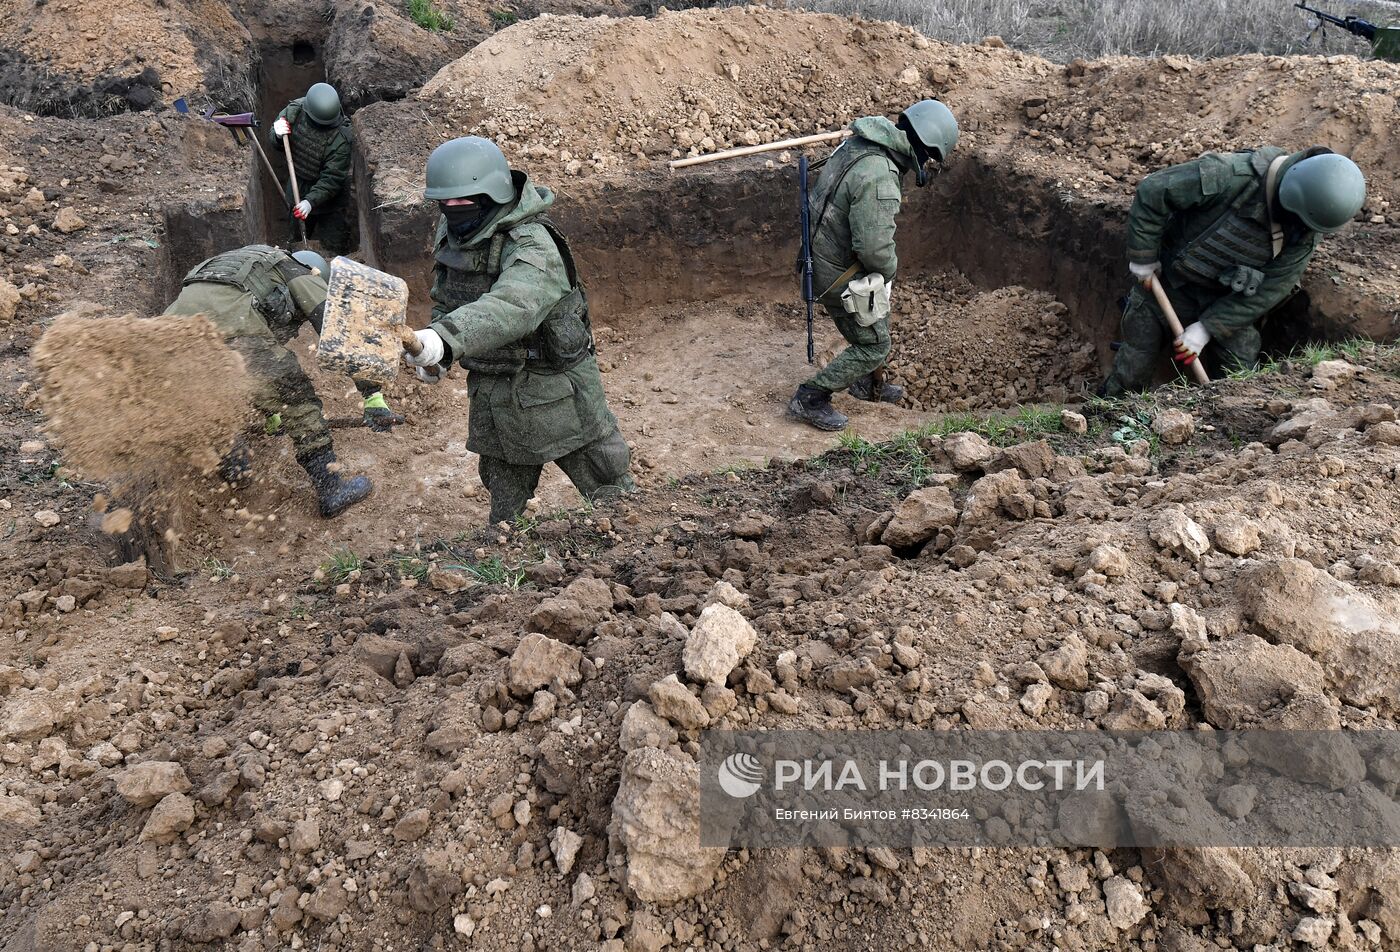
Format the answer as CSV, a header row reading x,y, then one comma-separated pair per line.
x,y
1330,374
147,783
433,881
643,727
672,701
656,825
1173,530
1174,427
1237,535
1068,665
18,813
1072,422
564,845
9,301
538,662
919,517
172,816
1126,906
1240,678
381,655
572,615
68,221
720,639
967,451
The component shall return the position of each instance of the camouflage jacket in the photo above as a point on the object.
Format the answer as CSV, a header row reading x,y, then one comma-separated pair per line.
x,y
320,155
1178,206
254,291
504,300
854,204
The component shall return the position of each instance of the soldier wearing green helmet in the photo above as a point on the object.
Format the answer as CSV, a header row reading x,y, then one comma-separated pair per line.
x,y
853,209
508,306
1228,236
319,132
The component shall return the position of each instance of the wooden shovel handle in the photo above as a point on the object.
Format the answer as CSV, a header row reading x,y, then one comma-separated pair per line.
x,y
1174,322
410,341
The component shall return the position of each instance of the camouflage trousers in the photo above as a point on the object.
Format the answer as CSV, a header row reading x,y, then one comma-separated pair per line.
x,y
1147,340
281,388
866,351
598,471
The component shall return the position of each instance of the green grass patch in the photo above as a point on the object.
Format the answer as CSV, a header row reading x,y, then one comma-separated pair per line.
x,y
341,565
410,566
492,570
1027,423
426,14
500,19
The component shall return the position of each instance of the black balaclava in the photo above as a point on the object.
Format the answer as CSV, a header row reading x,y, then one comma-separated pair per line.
x,y
463,220
922,155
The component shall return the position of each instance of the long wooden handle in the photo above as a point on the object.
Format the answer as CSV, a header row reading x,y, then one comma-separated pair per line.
x,y
755,149
410,340
296,189
1174,322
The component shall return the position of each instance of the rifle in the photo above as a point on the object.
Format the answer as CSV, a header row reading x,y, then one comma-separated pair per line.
x,y
1362,28
807,294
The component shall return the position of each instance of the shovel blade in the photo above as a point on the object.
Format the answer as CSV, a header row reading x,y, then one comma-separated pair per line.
x,y
366,311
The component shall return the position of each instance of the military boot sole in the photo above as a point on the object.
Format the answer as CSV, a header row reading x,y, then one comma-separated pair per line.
x,y
830,423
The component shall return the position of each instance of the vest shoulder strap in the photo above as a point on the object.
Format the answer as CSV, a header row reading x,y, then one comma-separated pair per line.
x,y
560,242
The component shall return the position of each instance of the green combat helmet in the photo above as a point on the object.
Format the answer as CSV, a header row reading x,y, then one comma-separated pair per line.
x,y
323,104
312,260
935,126
1325,191
469,166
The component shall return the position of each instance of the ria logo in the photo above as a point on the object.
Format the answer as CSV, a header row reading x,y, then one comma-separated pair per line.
x,y
740,775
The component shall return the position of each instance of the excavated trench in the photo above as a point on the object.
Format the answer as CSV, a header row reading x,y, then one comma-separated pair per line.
x,y
727,234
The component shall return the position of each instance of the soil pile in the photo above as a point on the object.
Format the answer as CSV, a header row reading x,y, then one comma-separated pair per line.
x,y
1131,116
700,80
94,58
958,348
136,402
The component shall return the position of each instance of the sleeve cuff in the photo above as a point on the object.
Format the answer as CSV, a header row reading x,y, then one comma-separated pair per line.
x,y
1143,255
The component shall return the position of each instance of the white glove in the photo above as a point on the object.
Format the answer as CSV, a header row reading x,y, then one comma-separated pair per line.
x,y
1192,341
302,210
282,127
431,354
1144,271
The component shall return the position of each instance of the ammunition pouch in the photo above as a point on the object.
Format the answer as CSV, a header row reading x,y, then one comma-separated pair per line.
x,y
1242,280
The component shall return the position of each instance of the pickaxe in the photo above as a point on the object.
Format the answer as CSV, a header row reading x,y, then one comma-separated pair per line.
x,y
241,126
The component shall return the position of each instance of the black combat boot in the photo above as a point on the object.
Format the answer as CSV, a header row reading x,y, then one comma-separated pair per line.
x,y
236,464
813,405
863,388
336,492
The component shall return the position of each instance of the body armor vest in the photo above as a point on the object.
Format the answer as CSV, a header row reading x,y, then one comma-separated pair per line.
x,y
840,163
563,338
259,270
1234,249
310,142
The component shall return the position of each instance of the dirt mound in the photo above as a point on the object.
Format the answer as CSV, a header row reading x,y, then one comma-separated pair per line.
x,y
93,58
1131,116
139,402
700,80
958,348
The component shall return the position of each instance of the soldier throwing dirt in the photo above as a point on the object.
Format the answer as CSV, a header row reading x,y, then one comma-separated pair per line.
x,y
509,307
258,297
1228,236
320,136
853,209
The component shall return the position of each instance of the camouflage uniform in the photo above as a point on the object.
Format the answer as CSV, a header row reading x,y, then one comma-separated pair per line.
x,y
853,209
509,307
259,297
1208,224
321,157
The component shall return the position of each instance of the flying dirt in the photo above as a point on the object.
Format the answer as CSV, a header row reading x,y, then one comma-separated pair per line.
x,y
611,515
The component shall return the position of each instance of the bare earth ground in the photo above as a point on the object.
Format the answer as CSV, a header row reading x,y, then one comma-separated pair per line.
x,y
329,734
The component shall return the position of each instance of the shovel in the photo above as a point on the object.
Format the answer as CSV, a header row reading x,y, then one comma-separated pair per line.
x,y
1165,303
365,331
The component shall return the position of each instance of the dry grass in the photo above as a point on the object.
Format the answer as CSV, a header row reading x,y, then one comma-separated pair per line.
x,y
1092,28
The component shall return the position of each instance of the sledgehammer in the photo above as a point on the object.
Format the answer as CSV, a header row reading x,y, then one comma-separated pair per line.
x,y
1174,323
